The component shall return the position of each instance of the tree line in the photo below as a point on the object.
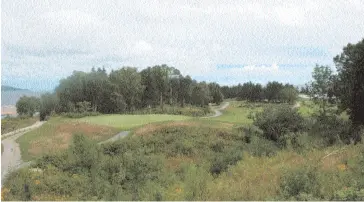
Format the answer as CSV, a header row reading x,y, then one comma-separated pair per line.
x,y
124,90
272,92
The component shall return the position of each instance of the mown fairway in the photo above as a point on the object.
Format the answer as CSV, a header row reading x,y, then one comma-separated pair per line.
x,y
126,122
238,112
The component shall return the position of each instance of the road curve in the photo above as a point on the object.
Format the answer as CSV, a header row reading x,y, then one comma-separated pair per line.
x,y
218,111
11,157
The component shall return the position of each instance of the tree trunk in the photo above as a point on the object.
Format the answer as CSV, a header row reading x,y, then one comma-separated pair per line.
x,y
161,101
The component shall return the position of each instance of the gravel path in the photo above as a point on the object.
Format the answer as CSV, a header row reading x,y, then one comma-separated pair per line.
x,y
116,137
218,111
11,158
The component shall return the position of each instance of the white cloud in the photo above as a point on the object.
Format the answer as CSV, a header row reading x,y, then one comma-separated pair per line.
x,y
192,36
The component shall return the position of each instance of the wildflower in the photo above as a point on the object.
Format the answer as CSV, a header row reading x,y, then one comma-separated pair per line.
x,y
342,167
178,190
4,191
37,182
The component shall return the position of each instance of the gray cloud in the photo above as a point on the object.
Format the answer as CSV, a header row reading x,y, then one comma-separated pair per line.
x,y
193,36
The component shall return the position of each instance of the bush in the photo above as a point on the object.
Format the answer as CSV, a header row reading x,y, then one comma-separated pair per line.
x,y
79,115
186,111
332,129
262,147
222,160
300,183
275,122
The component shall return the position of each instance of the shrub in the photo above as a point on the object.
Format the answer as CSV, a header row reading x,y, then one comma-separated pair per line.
x,y
278,121
262,147
300,182
222,160
349,194
79,115
332,129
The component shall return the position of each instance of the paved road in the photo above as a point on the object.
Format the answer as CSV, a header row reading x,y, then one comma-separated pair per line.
x,y
11,158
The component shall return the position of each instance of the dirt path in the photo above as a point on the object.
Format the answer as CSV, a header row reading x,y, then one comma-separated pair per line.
x,y
11,158
125,133
116,137
218,111
297,105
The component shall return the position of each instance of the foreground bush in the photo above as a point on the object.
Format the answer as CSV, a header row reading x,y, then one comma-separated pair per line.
x,y
300,184
332,129
278,121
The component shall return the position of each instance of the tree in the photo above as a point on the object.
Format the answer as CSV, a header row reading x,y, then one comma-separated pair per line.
x,y
272,90
48,104
289,94
350,68
215,92
320,86
201,94
185,90
128,83
150,93
27,105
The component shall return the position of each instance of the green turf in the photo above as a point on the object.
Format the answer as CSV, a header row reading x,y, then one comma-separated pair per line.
x,y
238,112
126,122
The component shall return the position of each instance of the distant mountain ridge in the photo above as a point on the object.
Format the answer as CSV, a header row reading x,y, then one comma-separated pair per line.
x,y
10,88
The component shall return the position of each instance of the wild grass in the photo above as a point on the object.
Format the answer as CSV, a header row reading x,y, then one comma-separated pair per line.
x,y
11,124
56,135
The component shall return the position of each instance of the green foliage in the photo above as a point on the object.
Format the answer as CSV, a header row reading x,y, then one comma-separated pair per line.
x,y
9,124
127,82
332,129
185,111
48,103
275,122
288,95
79,115
27,105
83,107
321,86
350,82
196,183
349,194
217,96
300,184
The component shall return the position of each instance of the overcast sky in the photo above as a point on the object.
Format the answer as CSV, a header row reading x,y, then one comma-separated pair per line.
x,y
44,41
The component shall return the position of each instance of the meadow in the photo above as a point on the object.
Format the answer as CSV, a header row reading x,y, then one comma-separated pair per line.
x,y
173,157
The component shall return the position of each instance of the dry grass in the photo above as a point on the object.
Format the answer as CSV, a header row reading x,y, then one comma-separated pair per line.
x,y
257,178
155,127
56,135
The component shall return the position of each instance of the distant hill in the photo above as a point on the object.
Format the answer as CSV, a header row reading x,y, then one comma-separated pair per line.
x,y
10,95
10,88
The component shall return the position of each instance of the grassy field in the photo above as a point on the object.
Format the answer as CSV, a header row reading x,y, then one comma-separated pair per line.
x,y
126,122
238,112
258,178
56,135
11,124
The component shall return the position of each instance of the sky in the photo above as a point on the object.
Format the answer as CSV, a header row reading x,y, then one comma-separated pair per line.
x,y
226,42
